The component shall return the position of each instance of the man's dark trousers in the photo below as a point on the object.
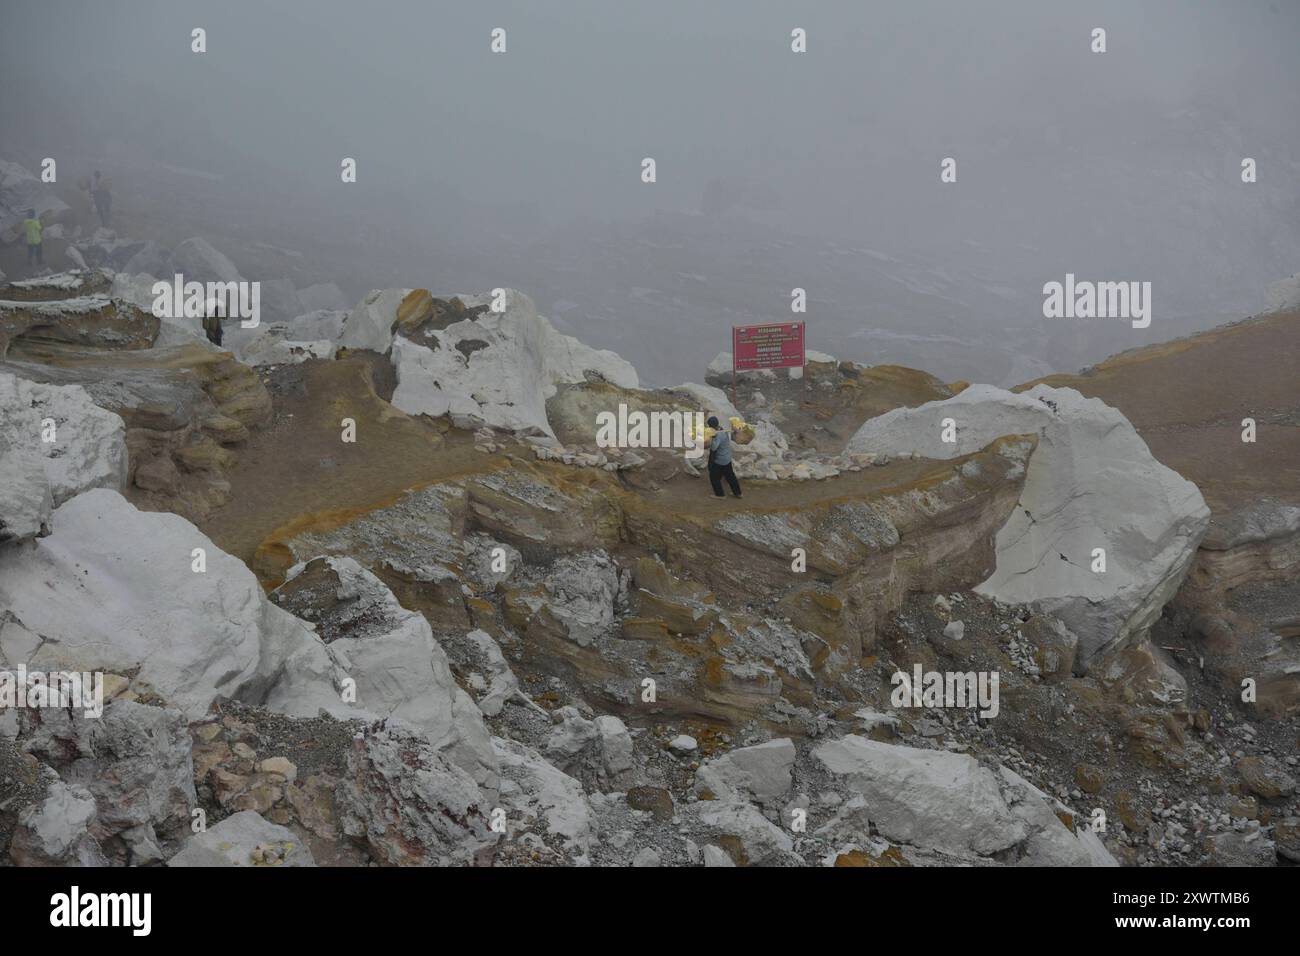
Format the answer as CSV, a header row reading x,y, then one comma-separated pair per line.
x,y
717,473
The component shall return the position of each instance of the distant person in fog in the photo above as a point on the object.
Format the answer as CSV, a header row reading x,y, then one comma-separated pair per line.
x,y
35,238
101,193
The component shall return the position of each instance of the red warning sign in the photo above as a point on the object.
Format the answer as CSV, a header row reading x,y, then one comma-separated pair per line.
x,y
767,346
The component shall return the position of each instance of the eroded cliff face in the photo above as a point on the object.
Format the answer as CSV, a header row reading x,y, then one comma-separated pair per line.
x,y
603,586
187,407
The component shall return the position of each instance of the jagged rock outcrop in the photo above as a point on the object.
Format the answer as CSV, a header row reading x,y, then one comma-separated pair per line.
x,y
1092,483
79,445
133,760
388,652
184,407
409,804
25,500
496,368
57,832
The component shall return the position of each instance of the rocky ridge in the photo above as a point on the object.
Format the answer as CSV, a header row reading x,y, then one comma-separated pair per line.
x,y
523,661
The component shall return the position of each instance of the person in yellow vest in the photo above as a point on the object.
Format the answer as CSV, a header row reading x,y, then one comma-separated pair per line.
x,y
32,227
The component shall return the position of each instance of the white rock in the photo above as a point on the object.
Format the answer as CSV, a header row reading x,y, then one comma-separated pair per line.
x,y
532,788
928,798
581,590
315,325
89,450
137,289
1091,483
25,501
646,856
57,831
111,588
497,369
763,842
720,368
601,748
399,671
683,743
502,683
571,737
270,347
760,773
716,856
197,261
1049,842
711,401
615,745
954,630
244,839
370,324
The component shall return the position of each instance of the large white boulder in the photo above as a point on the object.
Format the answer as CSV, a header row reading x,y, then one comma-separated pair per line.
x,y
1091,483
949,802
929,798
114,589
760,773
198,261
88,449
497,369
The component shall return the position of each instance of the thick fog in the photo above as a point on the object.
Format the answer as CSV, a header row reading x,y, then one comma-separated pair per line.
x,y
775,169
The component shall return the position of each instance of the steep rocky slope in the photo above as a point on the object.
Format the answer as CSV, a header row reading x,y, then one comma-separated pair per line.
x,y
454,630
